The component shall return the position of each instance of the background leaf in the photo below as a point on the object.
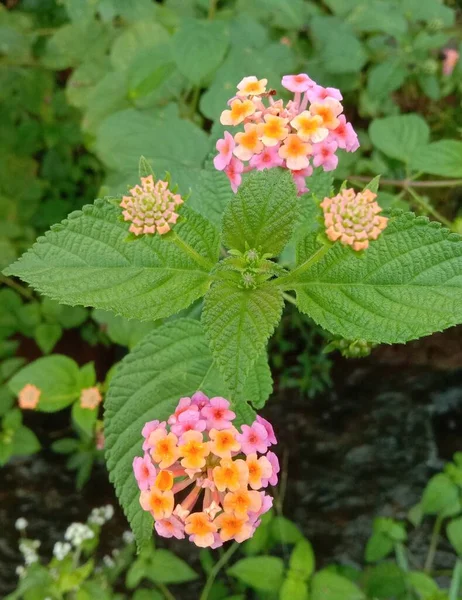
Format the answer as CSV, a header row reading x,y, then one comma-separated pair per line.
x,y
401,136
260,572
439,158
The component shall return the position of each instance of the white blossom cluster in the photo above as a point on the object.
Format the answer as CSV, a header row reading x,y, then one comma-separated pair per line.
x,y
28,549
77,533
101,515
61,550
128,537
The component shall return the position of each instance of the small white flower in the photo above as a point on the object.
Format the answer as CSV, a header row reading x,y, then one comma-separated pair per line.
x,y
128,537
107,560
61,550
21,524
77,533
20,571
108,512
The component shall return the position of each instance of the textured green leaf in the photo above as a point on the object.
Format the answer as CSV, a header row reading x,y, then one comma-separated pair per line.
x,y
439,158
407,284
259,383
263,213
125,332
238,323
401,136
199,47
87,260
56,376
170,362
260,572
330,586
211,195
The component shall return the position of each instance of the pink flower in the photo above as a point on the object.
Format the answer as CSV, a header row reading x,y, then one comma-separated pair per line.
x,y
188,421
317,93
345,135
225,148
266,505
218,414
171,527
297,83
274,461
233,172
200,400
148,429
300,179
324,155
269,428
451,58
253,438
267,159
145,472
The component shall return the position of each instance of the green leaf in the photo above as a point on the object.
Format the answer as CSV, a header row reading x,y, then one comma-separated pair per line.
x,y
24,442
263,213
423,584
87,375
454,531
168,143
84,418
386,580
302,560
293,589
12,420
341,52
401,136
211,195
285,531
259,572
376,15
199,48
330,586
65,446
165,567
238,323
378,546
56,376
139,36
87,260
428,11
125,332
170,362
259,383
439,158
386,77
47,336
440,494
405,285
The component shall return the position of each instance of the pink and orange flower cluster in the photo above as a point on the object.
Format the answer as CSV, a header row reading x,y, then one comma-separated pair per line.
x,y
353,218
304,133
202,477
151,207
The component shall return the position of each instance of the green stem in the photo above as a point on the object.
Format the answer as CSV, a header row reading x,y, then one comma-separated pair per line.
x,y
212,9
433,544
165,591
289,298
216,569
428,208
286,280
408,183
17,287
197,258
455,581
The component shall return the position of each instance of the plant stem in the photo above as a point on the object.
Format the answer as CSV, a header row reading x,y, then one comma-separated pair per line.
x,y
216,569
212,9
408,183
401,558
455,581
17,287
433,544
165,591
197,258
313,259
289,298
426,207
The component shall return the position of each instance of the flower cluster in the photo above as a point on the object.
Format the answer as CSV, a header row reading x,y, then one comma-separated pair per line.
x,y
28,549
100,516
29,396
61,550
353,218
151,207
77,533
90,398
202,477
304,133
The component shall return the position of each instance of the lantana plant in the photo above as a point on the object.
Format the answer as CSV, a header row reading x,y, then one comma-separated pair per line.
x,y
358,272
